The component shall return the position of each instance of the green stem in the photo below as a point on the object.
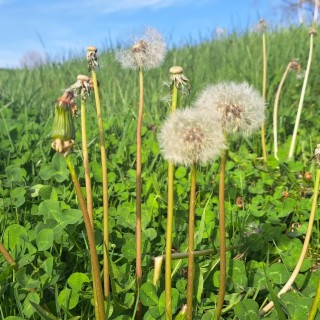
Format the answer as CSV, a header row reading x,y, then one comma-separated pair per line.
x,y
303,91
170,222
222,233
275,112
264,85
304,250
316,301
191,242
138,193
106,280
85,156
99,301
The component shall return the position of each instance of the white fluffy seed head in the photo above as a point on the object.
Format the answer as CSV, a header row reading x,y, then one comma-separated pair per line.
x,y
189,136
239,106
147,51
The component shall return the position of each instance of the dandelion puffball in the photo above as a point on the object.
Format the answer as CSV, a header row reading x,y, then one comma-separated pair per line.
x,y
189,137
239,106
147,52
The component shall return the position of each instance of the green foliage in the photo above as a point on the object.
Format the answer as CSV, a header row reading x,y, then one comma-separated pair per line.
x,y
267,205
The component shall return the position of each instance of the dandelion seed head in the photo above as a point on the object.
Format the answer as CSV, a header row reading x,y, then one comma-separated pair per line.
x,y
147,51
189,136
238,105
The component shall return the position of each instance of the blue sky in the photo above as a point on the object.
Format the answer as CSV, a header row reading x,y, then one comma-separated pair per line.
x,y
62,28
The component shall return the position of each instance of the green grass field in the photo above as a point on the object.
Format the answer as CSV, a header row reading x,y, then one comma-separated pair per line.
x,y
42,227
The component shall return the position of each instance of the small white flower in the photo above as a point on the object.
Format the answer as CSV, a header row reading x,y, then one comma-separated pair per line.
x,y
238,105
147,52
188,137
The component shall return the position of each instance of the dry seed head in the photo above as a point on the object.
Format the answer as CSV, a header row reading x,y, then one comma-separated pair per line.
x,y
188,137
316,155
179,79
92,57
176,70
262,26
83,78
295,65
312,30
147,52
92,48
239,106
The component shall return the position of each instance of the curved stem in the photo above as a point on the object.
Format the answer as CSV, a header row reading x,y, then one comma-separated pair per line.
x,y
85,156
222,233
170,222
7,256
304,86
138,193
275,111
104,188
264,85
99,302
296,270
191,242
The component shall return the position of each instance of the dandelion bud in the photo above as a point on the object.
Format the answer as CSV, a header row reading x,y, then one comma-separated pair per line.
x,y
238,105
147,52
63,132
188,137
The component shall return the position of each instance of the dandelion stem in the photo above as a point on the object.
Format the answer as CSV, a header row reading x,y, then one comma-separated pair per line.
x,y
191,241
170,222
304,86
296,270
99,302
316,301
264,85
275,111
7,256
85,155
104,188
222,233
138,193
175,256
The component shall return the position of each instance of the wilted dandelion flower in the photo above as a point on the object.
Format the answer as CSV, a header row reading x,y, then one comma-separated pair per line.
x,y
239,106
63,132
147,52
188,137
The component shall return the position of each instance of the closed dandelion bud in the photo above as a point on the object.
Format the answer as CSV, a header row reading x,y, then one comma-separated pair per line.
x,y
147,52
63,132
238,105
189,137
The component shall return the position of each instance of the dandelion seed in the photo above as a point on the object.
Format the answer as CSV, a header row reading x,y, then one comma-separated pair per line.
x,y
147,52
189,136
238,105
